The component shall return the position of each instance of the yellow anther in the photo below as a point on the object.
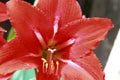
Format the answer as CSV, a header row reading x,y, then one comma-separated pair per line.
x,y
46,65
57,66
44,60
57,62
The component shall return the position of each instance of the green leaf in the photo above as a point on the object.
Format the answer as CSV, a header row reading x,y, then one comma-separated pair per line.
x,y
24,75
11,35
18,75
61,79
29,74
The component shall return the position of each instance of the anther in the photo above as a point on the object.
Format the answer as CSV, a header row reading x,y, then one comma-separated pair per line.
x,y
44,60
57,66
45,65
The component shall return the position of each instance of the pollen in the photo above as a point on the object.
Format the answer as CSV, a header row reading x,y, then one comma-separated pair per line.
x,y
57,63
50,67
57,66
44,60
46,65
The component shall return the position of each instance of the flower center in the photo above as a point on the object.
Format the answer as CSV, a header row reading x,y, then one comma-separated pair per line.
x,y
49,65
50,51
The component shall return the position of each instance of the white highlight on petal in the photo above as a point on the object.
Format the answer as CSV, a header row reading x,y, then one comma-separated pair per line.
x,y
83,16
70,63
40,38
33,55
65,44
28,65
80,70
2,30
56,24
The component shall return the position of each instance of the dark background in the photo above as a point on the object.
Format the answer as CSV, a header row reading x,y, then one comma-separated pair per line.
x,y
94,8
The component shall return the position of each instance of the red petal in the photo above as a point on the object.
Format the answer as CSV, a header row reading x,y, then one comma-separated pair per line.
x,y
86,68
19,63
6,77
48,7
88,32
13,49
3,12
45,76
65,10
14,56
2,40
2,30
94,31
25,19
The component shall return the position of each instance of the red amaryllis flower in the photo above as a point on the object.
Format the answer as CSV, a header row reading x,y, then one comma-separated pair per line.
x,y
53,37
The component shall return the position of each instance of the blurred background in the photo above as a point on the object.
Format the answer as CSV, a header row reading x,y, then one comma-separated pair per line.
x,y
94,8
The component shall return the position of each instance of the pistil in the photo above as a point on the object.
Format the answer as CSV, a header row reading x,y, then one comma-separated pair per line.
x,y
51,51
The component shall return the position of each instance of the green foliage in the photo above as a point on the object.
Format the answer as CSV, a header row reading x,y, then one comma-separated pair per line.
x,y
11,35
24,75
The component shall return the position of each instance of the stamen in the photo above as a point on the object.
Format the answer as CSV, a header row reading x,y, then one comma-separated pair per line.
x,y
44,65
43,68
44,60
40,38
52,65
65,44
57,66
